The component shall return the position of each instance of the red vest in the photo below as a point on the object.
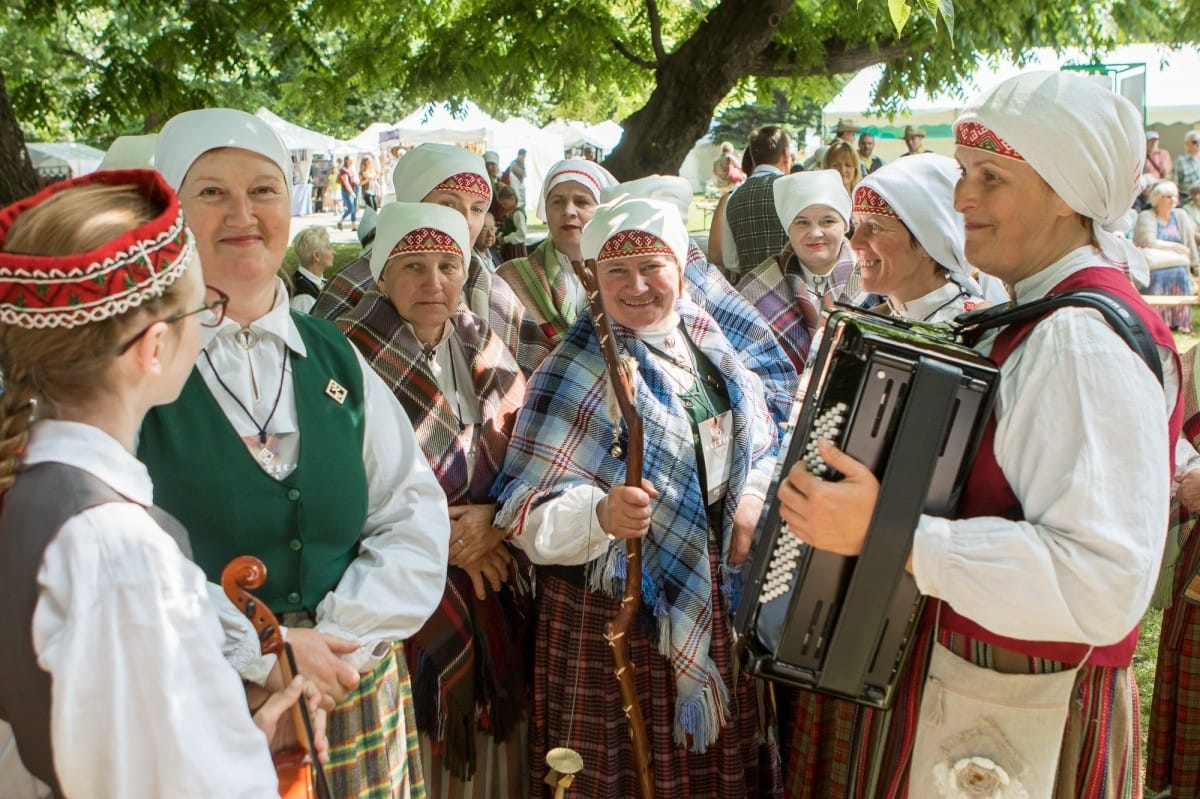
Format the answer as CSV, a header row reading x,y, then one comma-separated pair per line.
x,y
987,492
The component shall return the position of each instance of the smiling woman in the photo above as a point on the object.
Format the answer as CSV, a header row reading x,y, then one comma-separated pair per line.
x,y
710,448
280,407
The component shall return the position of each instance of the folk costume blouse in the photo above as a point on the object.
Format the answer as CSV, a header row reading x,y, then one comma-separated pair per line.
x,y
396,580
115,585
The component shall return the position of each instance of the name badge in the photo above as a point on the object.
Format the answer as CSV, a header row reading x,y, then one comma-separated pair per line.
x,y
716,442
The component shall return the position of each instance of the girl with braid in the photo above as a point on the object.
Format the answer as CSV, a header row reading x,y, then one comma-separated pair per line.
x,y
104,621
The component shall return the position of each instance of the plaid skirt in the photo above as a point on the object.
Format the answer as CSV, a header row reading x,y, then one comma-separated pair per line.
x,y
1173,760
577,705
373,749
1100,757
501,769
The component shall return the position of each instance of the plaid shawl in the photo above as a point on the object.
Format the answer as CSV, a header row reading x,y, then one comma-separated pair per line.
x,y
466,661
563,439
540,283
343,291
746,329
777,289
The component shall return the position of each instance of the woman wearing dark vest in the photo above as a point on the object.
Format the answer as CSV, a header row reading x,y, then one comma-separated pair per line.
x,y
112,676
709,452
544,282
461,389
1019,678
285,445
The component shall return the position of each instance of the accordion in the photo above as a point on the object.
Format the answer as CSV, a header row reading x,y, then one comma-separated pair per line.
x,y
911,406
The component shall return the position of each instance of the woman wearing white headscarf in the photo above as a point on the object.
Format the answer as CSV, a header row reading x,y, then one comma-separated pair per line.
x,y
909,239
709,449
284,444
1015,684
814,269
544,282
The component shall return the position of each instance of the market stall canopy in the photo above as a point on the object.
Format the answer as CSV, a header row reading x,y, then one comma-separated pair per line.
x,y
63,160
1170,94
301,138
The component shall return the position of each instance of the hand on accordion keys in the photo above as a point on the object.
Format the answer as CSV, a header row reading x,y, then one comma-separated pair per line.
x,y
830,515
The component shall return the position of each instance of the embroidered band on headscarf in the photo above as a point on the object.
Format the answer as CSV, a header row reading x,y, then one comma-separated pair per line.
x,y
467,182
868,201
630,243
189,135
411,228
40,291
972,134
1098,175
431,166
634,227
588,174
423,240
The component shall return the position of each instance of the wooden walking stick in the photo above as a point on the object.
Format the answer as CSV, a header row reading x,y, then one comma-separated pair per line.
x,y
616,632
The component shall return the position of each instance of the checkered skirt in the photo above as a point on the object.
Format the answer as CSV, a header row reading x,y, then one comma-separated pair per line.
x,y
577,704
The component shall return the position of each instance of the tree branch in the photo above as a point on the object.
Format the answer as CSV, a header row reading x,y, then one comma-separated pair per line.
x,y
660,53
779,62
632,56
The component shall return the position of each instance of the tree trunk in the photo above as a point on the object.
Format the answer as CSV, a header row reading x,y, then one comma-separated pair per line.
x,y
18,178
691,82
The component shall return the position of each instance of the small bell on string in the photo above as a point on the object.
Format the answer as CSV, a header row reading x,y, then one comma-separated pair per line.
x,y
564,765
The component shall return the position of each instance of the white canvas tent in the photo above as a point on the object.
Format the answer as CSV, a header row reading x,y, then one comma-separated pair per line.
x,y
603,136
63,160
301,138
478,131
1171,99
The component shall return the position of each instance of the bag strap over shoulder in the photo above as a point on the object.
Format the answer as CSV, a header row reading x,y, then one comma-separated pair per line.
x,y
1116,313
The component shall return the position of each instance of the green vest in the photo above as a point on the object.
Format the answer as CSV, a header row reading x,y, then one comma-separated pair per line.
x,y
306,528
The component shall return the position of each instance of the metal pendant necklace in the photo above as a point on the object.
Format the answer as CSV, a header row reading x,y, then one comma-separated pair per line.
x,y
263,446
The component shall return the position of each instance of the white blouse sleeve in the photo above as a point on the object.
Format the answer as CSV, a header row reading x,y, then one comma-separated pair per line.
x,y
143,703
563,531
399,576
1082,438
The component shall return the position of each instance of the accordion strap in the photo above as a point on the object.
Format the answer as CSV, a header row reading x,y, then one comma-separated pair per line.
x,y
1116,313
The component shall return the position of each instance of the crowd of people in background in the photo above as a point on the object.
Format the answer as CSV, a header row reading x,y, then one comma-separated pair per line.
x,y
424,448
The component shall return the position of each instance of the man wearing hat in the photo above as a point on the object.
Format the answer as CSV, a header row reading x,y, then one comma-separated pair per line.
x,y
914,139
846,131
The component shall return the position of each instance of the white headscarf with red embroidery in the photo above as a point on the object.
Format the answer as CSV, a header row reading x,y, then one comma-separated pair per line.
x,y
632,227
588,174
406,228
433,166
1084,140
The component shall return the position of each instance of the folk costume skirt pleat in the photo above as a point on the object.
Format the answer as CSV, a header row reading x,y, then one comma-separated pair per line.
x,y
373,749
1173,760
577,705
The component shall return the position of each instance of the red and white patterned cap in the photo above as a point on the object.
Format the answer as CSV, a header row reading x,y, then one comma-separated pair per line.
x,y
409,228
40,291
633,227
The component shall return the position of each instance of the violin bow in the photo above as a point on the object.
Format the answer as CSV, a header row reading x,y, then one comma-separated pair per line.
x,y
617,631
238,577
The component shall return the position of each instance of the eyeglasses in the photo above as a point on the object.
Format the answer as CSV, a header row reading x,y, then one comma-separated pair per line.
x,y
211,314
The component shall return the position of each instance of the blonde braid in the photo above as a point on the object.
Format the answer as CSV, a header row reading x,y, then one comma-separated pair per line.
x,y
16,414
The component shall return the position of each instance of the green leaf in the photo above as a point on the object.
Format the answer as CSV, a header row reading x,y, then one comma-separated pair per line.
x,y
900,12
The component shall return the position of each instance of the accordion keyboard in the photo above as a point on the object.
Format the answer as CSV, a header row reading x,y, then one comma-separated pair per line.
x,y
830,423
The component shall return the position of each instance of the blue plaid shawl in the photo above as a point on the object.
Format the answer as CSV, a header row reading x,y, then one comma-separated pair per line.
x,y
746,329
563,439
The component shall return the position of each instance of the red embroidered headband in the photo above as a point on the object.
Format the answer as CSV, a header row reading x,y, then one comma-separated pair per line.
x,y
973,134
629,243
426,239
39,291
468,182
869,201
